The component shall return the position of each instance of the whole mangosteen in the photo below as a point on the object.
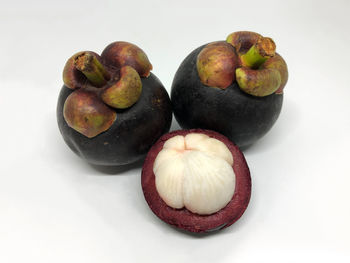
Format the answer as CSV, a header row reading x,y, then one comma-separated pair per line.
x,y
234,87
196,180
111,109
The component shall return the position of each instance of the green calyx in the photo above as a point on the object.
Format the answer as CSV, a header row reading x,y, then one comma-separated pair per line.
x,y
102,84
242,40
216,65
262,71
252,59
126,91
87,114
278,63
262,50
121,53
260,83
92,68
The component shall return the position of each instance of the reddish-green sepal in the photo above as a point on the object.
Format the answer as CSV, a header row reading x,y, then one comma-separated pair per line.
x,y
261,51
216,65
72,77
119,54
126,91
278,63
260,83
243,40
90,65
87,114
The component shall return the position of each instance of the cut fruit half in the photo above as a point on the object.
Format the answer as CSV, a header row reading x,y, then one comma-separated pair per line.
x,y
196,180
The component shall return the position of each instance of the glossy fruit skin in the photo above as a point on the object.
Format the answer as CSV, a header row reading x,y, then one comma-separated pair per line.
x,y
241,117
183,218
134,131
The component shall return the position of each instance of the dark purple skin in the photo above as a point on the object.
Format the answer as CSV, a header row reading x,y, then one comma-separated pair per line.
x,y
241,117
132,134
183,218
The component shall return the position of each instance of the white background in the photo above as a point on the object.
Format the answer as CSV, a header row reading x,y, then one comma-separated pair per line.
x,y
54,207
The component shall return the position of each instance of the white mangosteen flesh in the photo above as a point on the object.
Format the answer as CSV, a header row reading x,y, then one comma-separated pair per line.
x,y
195,172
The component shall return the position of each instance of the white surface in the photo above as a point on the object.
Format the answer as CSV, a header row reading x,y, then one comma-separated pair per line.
x,y
56,208
195,172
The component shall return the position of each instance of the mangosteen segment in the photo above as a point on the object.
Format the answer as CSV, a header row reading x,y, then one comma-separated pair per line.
x,y
196,180
195,171
203,143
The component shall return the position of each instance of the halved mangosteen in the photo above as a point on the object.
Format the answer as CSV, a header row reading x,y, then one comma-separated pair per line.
x,y
234,87
196,180
111,109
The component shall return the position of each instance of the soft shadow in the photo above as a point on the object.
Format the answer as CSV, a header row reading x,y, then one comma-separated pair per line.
x,y
175,125
117,170
194,235
245,148
285,124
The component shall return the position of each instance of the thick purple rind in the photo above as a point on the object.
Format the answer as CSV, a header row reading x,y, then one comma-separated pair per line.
x,y
183,218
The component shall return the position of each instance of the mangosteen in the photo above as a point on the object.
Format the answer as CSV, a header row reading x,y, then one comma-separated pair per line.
x,y
196,180
234,87
111,108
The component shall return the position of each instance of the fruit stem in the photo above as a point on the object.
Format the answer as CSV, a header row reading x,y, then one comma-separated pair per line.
x,y
92,68
263,49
